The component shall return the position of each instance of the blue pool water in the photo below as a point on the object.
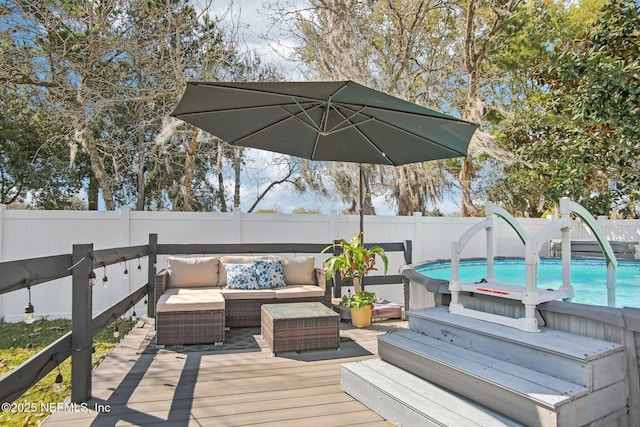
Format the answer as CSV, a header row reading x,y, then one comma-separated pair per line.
x,y
588,276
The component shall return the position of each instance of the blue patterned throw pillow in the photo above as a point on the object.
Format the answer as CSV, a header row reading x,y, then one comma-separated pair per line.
x,y
241,276
269,273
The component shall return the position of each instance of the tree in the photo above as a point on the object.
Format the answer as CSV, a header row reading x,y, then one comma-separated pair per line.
x,y
424,51
31,167
114,70
579,136
596,79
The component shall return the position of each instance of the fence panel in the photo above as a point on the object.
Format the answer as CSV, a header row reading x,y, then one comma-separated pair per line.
x,y
31,234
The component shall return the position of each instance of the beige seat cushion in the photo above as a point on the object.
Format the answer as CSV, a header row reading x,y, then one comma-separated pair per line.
x,y
297,291
190,299
193,272
230,294
299,270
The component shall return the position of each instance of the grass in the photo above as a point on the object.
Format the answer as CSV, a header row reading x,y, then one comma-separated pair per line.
x,y
20,341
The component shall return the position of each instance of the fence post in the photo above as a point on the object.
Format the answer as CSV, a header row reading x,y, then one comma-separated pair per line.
x,y
418,233
333,225
237,224
152,264
81,317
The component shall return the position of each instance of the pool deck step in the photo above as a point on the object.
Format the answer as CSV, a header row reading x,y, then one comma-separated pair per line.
x,y
548,379
585,361
407,400
529,396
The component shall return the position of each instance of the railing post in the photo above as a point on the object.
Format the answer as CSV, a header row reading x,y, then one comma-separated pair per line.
x,y
81,316
406,283
337,276
152,259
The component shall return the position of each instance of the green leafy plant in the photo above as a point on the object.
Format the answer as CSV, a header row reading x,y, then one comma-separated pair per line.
x,y
360,300
354,260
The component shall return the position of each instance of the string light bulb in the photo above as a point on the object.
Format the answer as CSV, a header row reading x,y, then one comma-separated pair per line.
x,y
92,278
125,273
116,331
139,266
105,280
134,316
29,310
57,385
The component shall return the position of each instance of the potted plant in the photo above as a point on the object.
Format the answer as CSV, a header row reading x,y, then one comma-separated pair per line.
x,y
355,261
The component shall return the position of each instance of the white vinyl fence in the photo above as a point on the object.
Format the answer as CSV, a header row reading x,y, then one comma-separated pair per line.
x,y
32,234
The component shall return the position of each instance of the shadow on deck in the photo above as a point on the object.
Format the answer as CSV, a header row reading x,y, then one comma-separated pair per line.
x,y
240,383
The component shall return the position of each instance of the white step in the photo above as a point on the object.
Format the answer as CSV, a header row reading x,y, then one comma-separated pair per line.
x,y
406,400
526,395
586,361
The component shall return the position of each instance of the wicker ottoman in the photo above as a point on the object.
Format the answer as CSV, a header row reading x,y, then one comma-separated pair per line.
x,y
290,327
190,316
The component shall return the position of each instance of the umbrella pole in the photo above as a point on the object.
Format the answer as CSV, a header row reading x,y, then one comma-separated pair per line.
x,y
361,195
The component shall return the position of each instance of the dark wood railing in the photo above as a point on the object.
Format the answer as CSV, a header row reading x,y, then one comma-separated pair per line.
x,y
78,343
25,273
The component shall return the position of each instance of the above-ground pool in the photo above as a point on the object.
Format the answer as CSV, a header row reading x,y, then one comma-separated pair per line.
x,y
588,276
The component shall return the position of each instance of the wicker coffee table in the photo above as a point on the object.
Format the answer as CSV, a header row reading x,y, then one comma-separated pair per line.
x,y
300,326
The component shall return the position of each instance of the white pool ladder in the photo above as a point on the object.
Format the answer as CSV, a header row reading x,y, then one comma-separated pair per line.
x,y
530,295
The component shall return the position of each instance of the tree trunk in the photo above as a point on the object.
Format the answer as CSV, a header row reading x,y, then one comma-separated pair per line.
x,y
93,191
471,61
357,288
83,136
466,176
221,192
141,152
237,168
187,179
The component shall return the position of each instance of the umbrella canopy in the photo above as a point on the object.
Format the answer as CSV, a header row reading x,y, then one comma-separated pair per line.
x,y
331,121
335,121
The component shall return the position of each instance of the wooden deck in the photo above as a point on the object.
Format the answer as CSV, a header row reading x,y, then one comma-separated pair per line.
x,y
231,387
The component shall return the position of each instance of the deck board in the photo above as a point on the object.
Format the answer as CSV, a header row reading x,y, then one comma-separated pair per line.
x,y
227,388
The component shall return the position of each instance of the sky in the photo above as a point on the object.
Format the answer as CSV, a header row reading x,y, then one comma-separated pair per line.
x,y
256,32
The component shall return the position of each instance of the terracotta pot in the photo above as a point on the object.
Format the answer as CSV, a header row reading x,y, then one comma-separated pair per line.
x,y
361,317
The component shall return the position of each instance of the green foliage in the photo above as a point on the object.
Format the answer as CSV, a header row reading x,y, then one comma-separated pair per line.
x,y
33,162
20,341
354,260
110,75
360,300
575,129
305,211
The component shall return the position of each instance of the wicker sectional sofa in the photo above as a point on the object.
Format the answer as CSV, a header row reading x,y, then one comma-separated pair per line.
x,y
197,297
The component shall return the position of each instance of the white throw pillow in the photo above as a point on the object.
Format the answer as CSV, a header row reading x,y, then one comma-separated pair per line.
x,y
269,273
241,276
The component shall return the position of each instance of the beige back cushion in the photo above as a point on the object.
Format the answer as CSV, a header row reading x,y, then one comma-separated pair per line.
x,y
299,270
193,272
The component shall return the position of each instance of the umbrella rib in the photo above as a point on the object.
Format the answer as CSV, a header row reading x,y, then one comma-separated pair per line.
x,y
250,90
290,116
352,106
346,119
415,135
423,138
302,110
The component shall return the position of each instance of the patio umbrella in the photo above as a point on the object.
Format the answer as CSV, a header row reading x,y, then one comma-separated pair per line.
x,y
330,121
